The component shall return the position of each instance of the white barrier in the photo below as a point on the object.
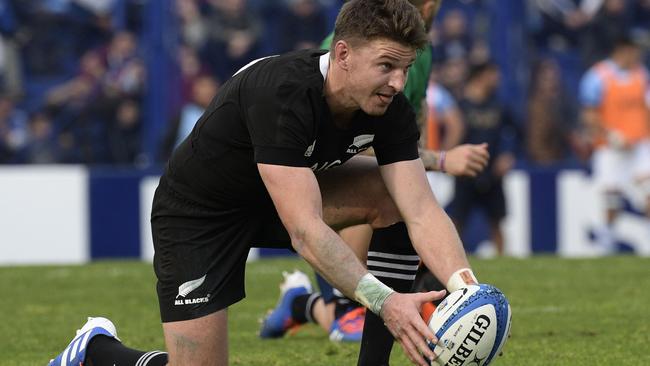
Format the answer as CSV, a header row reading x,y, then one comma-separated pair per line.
x,y
581,210
43,215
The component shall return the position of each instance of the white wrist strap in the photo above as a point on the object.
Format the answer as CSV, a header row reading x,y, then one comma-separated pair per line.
x,y
371,293
461,278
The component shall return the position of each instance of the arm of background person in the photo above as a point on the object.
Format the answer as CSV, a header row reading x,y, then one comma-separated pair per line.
x,y
463,160
454,128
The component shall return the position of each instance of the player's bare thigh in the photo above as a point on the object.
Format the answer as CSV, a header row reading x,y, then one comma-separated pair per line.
x,y
198,342
355,193
358,238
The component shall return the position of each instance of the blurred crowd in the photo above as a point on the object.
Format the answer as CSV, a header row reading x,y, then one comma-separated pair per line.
x,y
73,73
71,83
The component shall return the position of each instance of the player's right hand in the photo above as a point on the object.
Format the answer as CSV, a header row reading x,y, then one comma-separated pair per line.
x,y
467,160
401,316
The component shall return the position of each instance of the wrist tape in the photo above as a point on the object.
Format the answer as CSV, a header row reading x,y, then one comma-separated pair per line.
x,y
461,278
371,293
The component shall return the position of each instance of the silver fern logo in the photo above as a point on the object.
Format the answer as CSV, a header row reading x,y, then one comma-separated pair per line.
x,y
310,149
186,288
360,143
189,286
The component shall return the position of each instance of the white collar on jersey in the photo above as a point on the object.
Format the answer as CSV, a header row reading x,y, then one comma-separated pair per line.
x,y
324,64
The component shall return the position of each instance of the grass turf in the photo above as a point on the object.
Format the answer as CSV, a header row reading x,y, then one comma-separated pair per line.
x,y
565,312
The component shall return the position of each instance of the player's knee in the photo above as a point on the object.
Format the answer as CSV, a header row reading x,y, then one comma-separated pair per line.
x,y
384,214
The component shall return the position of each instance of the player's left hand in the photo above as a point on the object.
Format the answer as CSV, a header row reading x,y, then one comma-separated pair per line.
x,y
467,160
401,316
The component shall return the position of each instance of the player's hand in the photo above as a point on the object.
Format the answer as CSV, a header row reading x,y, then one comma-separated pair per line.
x,y
467,160
401,316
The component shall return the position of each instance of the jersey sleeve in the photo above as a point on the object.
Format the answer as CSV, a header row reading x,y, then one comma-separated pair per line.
x,y
442,101
418,78
591,89
280,124
327,42
397,134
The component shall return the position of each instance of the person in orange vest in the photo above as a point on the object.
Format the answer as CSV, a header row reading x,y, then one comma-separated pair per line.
x,y
444,124
615,95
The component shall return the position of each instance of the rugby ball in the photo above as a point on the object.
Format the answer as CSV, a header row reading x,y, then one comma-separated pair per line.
x,y
472,325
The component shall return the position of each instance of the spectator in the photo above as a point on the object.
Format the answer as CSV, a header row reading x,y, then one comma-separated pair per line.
x,y
641,26
610,24
42,146
43,50
82,88
454,40
486,121
551,118
10,62
13,130
233,35
124,140
444,124
54,34
641,22
452,75
79,110
203,90
615,95
190,68
91,23
557,24
125,72
302,25
193,27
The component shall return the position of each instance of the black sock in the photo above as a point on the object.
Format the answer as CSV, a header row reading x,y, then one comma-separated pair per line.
x,y
394,262
107,351
302,308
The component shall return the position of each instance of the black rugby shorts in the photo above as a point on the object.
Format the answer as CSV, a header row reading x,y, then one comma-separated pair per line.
x,y
200,252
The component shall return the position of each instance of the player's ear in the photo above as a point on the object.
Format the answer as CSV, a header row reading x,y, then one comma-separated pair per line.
x,y
342,54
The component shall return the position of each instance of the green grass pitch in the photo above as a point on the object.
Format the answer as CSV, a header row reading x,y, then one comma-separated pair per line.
x,y
565,312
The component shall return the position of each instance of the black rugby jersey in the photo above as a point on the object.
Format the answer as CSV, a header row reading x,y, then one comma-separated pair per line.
x,y
273,111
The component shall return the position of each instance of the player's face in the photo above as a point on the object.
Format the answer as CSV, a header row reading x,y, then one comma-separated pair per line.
x,y
631,57
377,72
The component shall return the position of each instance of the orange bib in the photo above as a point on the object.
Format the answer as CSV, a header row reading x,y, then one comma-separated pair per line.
x,y
623,107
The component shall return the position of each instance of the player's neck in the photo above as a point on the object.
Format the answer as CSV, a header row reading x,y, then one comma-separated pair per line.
x,y
342,106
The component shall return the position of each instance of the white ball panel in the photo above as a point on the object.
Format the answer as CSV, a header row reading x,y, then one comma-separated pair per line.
x,y
470,338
